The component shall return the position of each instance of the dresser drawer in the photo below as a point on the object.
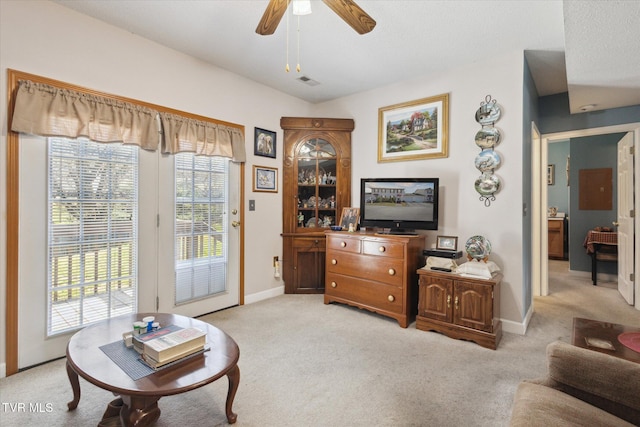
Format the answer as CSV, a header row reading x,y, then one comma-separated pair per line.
x,y
370,294
380,269
344,244
383,248
308,242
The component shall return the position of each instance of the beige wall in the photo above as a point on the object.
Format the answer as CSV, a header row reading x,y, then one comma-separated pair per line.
x,y
461,214
42,38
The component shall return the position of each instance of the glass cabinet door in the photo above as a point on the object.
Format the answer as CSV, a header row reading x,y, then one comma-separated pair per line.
x,y
316,171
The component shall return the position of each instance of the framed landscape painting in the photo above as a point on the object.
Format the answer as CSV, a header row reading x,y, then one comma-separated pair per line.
x,y
414,130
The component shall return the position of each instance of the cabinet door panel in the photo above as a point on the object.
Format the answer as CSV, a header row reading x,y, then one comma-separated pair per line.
x,y
473,306
435,298
309,271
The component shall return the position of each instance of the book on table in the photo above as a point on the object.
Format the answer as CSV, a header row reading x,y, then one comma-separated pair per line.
x,y
140,340
174,345
171,361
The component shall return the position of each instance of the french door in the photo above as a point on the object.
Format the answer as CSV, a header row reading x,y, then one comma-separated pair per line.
x,y
156,248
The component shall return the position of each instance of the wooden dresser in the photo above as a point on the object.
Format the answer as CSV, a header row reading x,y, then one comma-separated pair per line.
x,y
374,272
460,307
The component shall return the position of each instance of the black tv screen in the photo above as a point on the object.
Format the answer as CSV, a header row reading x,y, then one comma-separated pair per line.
x,y
399,205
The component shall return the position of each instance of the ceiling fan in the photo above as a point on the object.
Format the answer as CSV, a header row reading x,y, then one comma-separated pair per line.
x,y
348,10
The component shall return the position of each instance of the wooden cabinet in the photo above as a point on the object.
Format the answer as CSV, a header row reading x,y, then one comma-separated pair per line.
x,y
557,236
316,186
373,272
460,307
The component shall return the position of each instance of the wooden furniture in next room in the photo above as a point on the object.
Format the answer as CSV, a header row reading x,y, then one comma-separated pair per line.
x,y
603,337
460,307
316,186
374,272
137,404
557,237
601,246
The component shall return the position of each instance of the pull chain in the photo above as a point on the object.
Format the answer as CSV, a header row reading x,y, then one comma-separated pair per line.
x,y
298,66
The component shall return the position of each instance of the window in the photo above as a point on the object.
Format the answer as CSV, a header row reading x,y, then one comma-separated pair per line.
x,y
201,240
92,232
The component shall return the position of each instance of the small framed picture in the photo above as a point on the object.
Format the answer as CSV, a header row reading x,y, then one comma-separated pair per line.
x,y
551,174
446,243
265,179
350,218
264,143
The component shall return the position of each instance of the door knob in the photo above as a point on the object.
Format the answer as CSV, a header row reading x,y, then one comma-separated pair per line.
x,y
615,223
235,224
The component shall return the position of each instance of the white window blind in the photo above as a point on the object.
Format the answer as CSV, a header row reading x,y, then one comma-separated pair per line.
x,y
92,232
201,240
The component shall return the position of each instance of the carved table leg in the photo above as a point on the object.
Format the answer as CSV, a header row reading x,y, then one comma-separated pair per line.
x,y
234,380
75,385
139,411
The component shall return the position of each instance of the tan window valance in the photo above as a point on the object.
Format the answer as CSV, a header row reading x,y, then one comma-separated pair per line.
x,y
41,109
182,134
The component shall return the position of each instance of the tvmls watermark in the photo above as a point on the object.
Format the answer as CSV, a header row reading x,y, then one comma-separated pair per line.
x,y
31,407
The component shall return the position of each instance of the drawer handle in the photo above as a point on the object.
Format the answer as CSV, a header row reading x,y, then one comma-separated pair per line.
x,y
456,303
334,284
382,249
448,301
391,298
343,244
392,272
334,261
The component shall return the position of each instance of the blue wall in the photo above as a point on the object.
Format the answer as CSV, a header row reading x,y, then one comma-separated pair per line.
x,y
529,115
554,115
592,152
558,193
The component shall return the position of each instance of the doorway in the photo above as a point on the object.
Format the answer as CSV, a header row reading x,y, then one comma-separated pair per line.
x,y
540,286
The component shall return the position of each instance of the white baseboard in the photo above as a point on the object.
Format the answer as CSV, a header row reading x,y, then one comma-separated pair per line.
x,y
519,328
3,370
269,293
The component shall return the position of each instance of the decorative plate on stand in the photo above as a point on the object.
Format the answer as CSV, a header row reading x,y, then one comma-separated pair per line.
x,y
478,248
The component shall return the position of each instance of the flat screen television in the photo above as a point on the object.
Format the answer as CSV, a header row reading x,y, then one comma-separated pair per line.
x,y
399,205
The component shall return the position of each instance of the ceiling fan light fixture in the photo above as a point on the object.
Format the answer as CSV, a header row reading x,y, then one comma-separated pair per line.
x,y
301,7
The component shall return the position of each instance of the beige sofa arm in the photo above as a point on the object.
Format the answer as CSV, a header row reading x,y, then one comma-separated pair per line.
x,y
607,382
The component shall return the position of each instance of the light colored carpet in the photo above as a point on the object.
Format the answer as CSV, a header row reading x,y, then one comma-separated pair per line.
x,y
303,363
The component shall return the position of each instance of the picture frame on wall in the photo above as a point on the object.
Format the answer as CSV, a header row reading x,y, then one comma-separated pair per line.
x,y
551,174
414,130
264,143
447,243
265,179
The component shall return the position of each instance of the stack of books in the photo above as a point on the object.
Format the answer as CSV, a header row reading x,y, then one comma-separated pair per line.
x,y
169,345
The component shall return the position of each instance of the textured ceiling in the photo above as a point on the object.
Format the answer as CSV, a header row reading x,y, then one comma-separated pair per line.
x,y
411,39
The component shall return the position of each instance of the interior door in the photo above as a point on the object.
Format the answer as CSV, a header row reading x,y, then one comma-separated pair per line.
x,y
625,219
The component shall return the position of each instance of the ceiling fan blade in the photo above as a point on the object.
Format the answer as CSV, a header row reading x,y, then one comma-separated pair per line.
x,y
352,14
272,16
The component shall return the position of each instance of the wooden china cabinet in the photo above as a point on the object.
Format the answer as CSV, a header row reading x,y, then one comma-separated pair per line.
x,y
316,186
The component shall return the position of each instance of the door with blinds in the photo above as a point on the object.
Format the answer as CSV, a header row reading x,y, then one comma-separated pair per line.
x,y
110,229
199,234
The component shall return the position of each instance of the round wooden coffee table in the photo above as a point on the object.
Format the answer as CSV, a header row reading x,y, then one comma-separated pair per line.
x,y
138,401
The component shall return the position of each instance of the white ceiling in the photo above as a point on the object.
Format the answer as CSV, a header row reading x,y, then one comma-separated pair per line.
x,y
600,40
